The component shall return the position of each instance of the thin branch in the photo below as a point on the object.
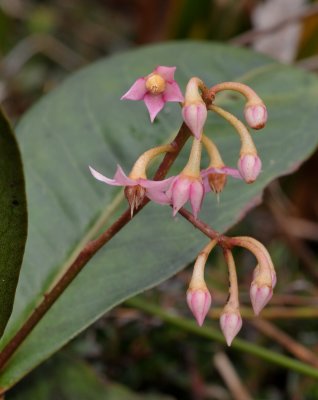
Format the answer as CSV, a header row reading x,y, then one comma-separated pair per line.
x,y
39,43
271,313
286,341
297,246
211,333
230,377
86,254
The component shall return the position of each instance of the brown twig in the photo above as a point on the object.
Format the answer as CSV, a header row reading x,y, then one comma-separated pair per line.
x,y
296,245
92,248
249,36
271,313
230,377
86,254
309,63
294,347
39,43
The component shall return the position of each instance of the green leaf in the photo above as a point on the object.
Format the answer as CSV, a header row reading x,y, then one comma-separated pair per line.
x,y
66,377
13,219
83,122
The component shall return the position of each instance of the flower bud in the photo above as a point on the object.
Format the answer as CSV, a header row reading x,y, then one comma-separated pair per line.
x,y
185,188
256,115
249,166
195,115
260,295
257,272
231,323
199,302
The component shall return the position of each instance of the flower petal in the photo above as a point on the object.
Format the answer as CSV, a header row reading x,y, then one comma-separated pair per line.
x,y
196,196
137,91
224,170
166,72
180,193
123,179
157,196
157,185
154,103
172,92
103,178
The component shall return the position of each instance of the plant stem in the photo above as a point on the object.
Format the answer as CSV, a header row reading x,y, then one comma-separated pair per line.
x,y
86,254
272,313
212,334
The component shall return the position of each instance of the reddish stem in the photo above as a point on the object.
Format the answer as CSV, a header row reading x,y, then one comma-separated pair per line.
x,y
86,254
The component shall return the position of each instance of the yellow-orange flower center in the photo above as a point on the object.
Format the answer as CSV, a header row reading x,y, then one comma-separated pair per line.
x,y
155,84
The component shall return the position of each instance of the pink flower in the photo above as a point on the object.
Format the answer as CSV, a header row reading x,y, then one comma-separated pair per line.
x,y
256,115
231,323
199,302
155,90
195,115
184,188
154,190
260,295
249,166
206,173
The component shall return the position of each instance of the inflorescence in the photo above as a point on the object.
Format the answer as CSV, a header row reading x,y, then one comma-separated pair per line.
x,y
193,183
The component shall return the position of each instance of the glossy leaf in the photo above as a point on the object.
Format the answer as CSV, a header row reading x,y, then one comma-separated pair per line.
x,y
13,219
83,122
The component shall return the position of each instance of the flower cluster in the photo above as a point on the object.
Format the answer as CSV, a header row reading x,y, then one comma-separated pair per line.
x,y
194,182
264,280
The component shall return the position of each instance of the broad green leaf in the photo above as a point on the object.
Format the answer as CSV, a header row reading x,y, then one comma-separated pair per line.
x,y
68,378
13,219
84,122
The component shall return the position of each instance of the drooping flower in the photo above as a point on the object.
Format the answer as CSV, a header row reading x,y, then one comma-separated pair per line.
x,y
260,295
250,166
264,275
184,188
194,111
155,90
231,323
215,172
198,296
256,115
199,302
139,188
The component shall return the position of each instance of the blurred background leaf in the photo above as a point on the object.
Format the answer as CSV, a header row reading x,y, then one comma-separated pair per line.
x,y
13,217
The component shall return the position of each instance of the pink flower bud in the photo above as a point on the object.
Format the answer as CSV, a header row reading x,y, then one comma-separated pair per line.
x,y
249,166
199,302
195,115
260,295
231,323
184,188
256,115
257,272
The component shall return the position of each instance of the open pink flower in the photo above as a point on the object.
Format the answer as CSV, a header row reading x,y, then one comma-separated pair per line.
x,y
155,90
222,171
154,190
183,188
